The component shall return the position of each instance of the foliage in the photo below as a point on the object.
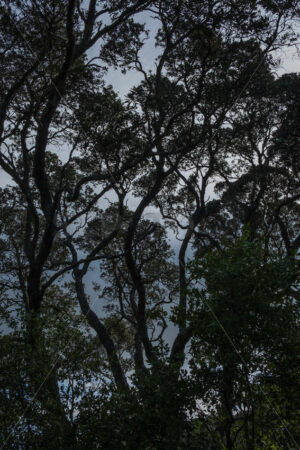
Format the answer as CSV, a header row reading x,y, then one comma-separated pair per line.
x,y
111,339
243,314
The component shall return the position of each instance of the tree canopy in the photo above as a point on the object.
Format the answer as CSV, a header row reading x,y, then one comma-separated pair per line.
x,y
149,274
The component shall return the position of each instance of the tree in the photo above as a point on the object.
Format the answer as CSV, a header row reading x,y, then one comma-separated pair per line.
x,y
43,56
85,165
30,416
241,317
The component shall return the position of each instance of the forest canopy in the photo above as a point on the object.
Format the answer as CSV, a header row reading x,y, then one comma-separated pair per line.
x,y
149,242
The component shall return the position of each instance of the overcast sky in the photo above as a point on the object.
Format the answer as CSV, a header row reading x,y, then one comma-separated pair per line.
x,y
290,62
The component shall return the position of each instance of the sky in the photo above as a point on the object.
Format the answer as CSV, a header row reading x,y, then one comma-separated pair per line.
x,y
290,62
